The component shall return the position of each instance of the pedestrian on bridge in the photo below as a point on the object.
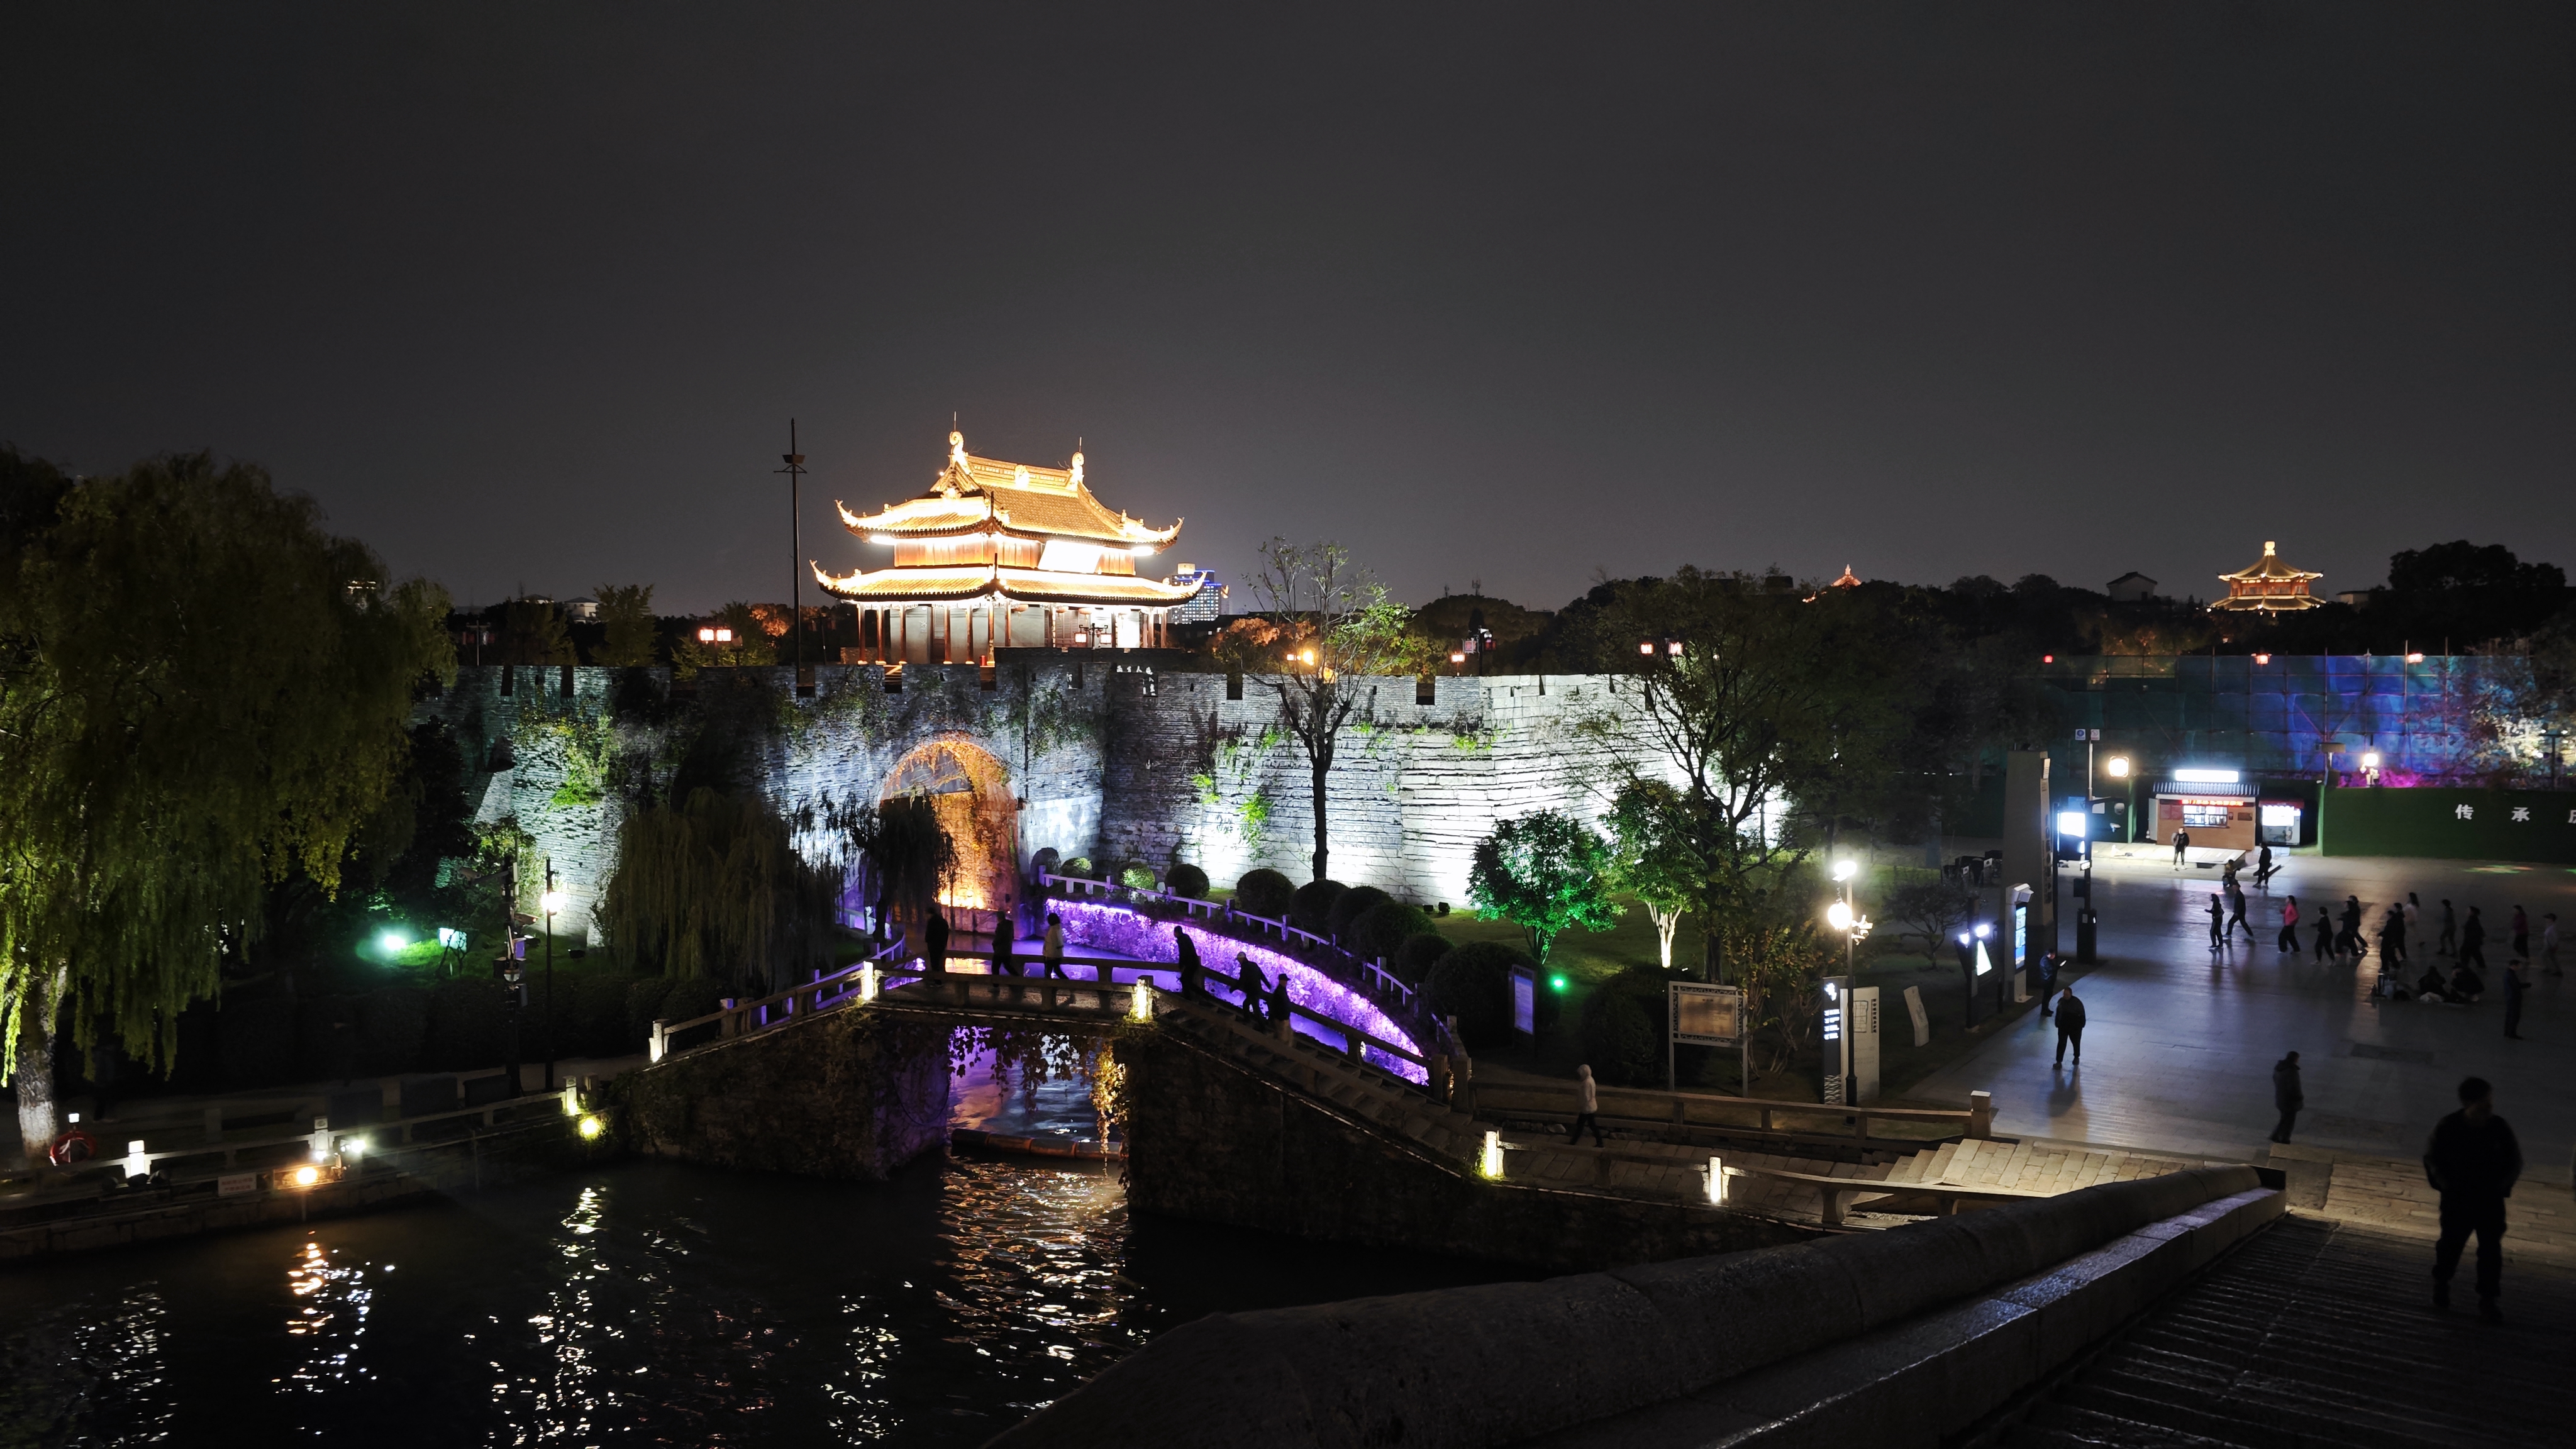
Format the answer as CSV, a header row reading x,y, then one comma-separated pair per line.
x,y
2289,938
934,943
2473,1161
1006,961
2070,1027
1249,985
1193,975
1587,1108
2287,1096
1051,949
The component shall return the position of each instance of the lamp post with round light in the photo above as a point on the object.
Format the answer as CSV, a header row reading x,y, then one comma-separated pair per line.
x,y
550,901
2117,767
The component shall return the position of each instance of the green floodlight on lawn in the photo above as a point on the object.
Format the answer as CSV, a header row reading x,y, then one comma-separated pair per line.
x,y
1556,982
392,942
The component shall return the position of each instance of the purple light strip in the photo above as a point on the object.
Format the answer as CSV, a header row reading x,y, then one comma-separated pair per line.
x,y
1124,931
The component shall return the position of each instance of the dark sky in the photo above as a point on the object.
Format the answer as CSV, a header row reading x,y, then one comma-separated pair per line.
x,y
525,294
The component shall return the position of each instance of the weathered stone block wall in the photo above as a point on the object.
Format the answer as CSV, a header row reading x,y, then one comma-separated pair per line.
x,y
846,1094
1210,1142
1190,775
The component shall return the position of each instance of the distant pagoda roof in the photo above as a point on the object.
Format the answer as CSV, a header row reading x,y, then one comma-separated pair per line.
x,y
2270,586
993,529
1849,580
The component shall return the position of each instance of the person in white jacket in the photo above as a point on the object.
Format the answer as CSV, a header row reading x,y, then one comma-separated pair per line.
x,y
1588,1104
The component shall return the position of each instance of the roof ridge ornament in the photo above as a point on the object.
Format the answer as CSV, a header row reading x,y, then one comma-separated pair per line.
x,y
1077,462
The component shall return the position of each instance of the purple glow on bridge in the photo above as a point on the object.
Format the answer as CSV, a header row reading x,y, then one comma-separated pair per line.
x,y
1128,933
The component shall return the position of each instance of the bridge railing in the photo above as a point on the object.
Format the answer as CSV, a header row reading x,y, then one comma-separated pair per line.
x,y
1651,1108
324,1140
1372,978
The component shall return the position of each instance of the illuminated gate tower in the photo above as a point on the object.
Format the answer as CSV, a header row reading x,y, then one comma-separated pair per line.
x,y
1004,555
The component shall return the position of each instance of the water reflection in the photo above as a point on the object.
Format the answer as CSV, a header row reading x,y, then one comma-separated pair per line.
x,y
645,1303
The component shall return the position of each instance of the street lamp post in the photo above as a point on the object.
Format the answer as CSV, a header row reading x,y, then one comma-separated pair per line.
x,y
795,471
550,901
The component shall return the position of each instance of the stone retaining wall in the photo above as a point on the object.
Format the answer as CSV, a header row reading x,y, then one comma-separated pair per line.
x,y
841,1094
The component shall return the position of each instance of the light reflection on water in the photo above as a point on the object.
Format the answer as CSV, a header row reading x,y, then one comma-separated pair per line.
x,y
642,1303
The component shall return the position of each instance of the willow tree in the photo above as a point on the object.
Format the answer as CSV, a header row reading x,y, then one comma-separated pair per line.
x,y
904,853
201,693
714,886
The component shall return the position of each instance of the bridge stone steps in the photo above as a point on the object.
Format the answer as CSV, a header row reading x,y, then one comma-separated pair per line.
x,y
2319,1332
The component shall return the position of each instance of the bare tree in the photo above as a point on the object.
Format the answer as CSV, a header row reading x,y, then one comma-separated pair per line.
x,y
1334,626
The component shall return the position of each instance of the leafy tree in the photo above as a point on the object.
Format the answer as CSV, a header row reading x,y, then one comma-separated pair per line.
x,y
714,886
534,633
627,612
2461,564
1331,625
201,692
1775,707
1935,908
750,646
905,856
1648,862
1544,873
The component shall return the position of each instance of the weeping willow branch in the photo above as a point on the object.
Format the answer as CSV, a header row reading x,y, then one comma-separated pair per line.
x,y
714,887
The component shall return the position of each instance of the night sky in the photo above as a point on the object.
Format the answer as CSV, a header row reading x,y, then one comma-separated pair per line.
x,y
526,294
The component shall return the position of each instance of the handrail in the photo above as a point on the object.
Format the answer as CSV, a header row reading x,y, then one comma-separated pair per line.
x,y
1839,1195
1353,1037
1373,975
1976,1120
334,1135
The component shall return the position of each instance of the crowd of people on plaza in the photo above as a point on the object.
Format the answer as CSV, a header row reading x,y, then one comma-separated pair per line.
x,y
2398,936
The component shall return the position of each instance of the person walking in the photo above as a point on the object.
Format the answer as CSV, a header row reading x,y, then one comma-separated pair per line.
x,y
2217,923
2288,941
1006,958
2236,912
2263,868
1185,952
2348,939
2325,933
2514,987
2549,945
2473,940
1281,1022
1587,1108
2286,1096
2450,940
1249,984
2392,939
934,943
2182,842
1051,948
2070,1027
2521,935
2414,926
2473,1161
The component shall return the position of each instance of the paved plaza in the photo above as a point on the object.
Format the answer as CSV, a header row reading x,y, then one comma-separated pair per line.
x,y
2179,1051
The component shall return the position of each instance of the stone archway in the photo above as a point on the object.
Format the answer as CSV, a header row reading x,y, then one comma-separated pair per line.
x,y
972,792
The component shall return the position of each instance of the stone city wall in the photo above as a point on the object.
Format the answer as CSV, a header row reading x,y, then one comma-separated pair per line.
x,y
1110,758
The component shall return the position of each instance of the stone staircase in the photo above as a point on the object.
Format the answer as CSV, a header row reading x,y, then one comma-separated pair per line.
x,y
1658,1171
2320,1332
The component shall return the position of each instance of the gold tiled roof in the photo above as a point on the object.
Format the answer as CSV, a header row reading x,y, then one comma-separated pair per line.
x,y
2269,587
2269,566
1035,586
973,493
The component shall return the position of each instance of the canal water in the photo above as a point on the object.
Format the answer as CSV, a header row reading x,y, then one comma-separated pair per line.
x,y
648,1303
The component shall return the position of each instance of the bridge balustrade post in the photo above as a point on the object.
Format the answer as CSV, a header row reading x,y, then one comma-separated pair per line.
x,y
1981,1115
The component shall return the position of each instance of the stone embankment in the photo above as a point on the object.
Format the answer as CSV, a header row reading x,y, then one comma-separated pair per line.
x,y
1900,1338
849,1093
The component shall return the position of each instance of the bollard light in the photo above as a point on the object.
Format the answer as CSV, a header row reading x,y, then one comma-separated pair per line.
x,y
1716,1183
571,1100
136,1164
307,1175
867,981
1493,1163
591,1127
353,1147
1141,1008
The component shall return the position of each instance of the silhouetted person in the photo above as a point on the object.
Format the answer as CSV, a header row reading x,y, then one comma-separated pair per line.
x,y
2473,941
2393,932
1193,975
2514,986
2473,1162
1282,1021
2286,1095
2450,940
1250,985
1006,960
2429,985
2236,913
2325,933
1587,1108
2549,945
2182,842
2217,923
934,943
2070,1027
2263,869
2289,938
2521,935
2466,985
2348,939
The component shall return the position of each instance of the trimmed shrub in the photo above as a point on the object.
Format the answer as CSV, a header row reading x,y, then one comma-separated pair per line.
x,y
1623,1028
1312,910
1047,862
1265,893
1474,984
1188,881
255,1039
1136,875
392,1024
1349,906
1413,960
1383,929
1078,867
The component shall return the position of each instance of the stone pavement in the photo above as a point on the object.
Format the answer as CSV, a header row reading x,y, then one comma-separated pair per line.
x,y
2390,1195
2181,1040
